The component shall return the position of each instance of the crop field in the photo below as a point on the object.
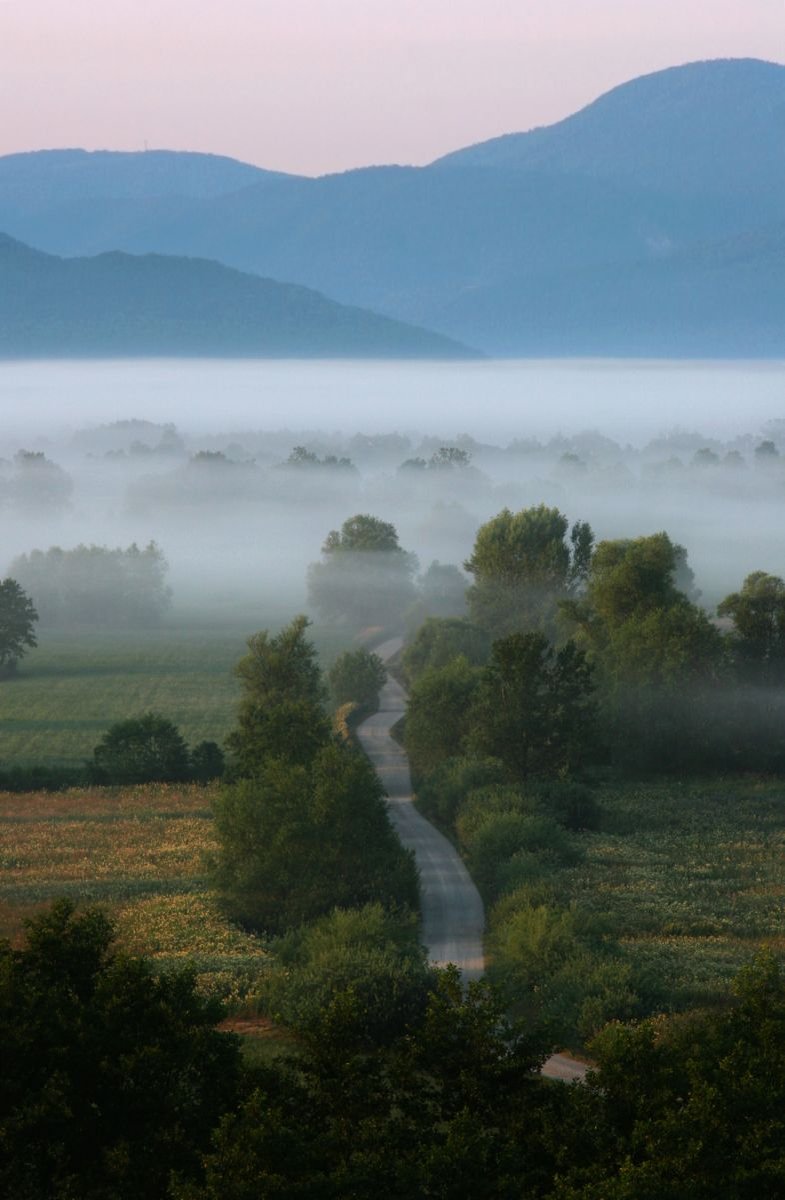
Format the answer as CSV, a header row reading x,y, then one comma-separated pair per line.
x,y
138,851
75,684
689,877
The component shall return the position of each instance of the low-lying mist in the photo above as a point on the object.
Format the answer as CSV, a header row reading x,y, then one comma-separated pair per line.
x,y
239,471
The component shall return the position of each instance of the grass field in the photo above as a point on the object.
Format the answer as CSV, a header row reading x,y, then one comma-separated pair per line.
x,y
75,684
689,877
138,851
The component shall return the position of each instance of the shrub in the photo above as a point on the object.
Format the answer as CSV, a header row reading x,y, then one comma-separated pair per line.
x,y
144,749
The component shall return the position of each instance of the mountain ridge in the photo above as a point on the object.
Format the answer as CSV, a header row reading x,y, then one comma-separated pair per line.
x,y
620,192
115,304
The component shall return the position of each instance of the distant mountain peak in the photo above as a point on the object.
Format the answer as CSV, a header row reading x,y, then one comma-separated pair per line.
x,y
688,127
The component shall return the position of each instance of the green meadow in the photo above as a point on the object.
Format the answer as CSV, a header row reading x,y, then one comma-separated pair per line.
x,y
76,684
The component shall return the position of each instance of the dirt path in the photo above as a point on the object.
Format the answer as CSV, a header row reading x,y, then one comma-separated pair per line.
x,y
452,910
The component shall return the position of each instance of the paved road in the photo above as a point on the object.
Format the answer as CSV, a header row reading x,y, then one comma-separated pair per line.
x,y
452,910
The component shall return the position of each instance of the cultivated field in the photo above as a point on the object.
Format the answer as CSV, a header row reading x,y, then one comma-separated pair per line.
x,y
139,851
690,877
76,684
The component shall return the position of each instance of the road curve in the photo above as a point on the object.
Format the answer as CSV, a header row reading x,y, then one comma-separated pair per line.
x,y
453,915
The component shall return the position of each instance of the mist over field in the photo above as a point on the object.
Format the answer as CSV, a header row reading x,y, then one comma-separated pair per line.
x,y
193,456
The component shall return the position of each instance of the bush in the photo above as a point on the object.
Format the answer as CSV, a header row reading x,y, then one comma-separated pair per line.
x,y
359,676
144,749
503,835
572,804
367,956
444,790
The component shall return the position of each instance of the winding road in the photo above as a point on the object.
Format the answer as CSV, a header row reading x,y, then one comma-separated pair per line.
x,y
452,911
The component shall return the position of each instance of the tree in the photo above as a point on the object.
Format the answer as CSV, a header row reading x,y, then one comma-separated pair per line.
x,y
142,750
443,590
758,614
691,1106
97,585
535,708
297,841
38,484
357,676
438,715
523,564
656,653
17,618
365,577
281,713
439,640
113,1074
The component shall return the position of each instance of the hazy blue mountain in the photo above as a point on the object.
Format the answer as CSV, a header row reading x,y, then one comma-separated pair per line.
x,y
716,300
43,177
703,128
628,189
120,305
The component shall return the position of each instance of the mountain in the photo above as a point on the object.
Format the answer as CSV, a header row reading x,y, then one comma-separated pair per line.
x,y
496,244
705,128
44,177
721,299
120,305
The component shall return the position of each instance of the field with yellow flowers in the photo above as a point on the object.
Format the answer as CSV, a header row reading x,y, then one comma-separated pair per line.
x,y
139,851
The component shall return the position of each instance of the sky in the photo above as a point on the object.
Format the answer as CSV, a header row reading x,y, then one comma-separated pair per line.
x,y
314,86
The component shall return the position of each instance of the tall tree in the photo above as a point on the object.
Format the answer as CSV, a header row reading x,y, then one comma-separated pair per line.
x,y
298,841
17,619
523,563
365,577
281,713
758,614
535,708
113,1074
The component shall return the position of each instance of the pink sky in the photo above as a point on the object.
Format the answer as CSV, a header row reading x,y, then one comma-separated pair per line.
x,y
322,85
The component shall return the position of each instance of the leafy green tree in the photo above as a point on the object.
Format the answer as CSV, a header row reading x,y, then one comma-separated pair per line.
x,y
141,750
298,841
523,563
758,614
440,639
438,715
281,713
535,708
657,655
373,954
357,676
365,577
113,1074
17,619
207,762
691,1107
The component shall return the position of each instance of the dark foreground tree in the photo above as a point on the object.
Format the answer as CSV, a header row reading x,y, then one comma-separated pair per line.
x,y
17,619
297,841
113,1076
143,749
